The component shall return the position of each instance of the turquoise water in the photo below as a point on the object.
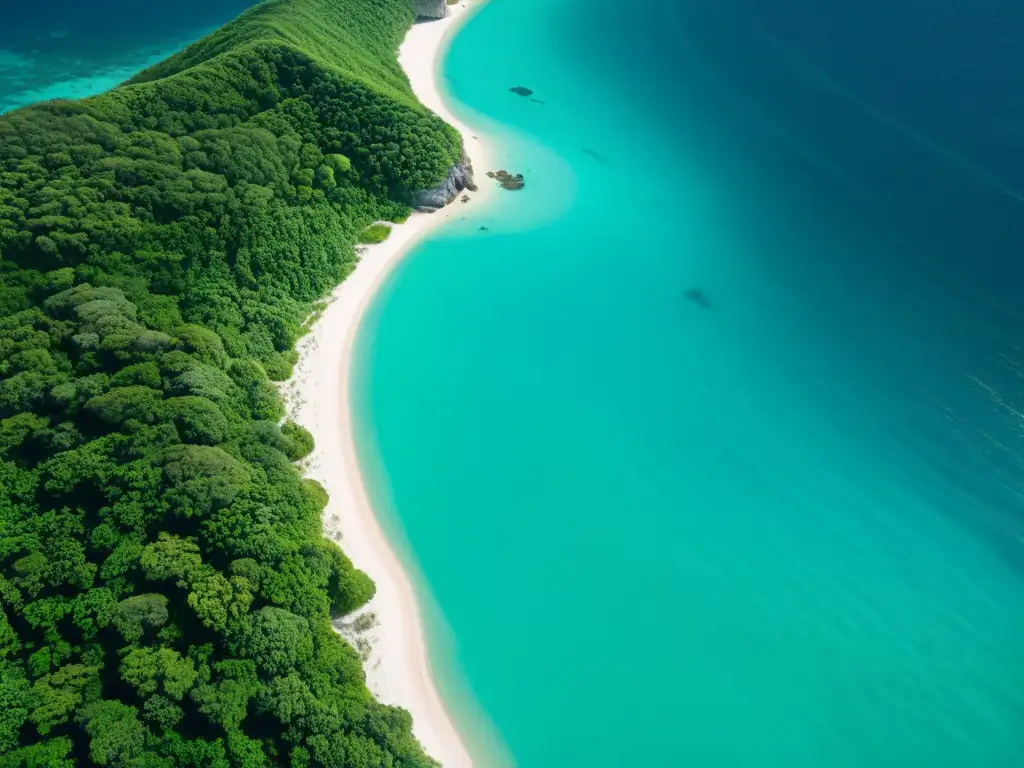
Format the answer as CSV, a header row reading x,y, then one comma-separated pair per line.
x,y
781,530
69,49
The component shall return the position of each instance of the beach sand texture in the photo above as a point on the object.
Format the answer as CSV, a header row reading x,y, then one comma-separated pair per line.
x,y
398,668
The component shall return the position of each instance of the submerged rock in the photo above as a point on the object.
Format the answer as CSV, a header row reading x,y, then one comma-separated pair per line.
x,y
460,177
521,91
508,180
698,297
431,9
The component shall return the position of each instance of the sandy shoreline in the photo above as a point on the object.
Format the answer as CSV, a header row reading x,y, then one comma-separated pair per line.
x,y
398,667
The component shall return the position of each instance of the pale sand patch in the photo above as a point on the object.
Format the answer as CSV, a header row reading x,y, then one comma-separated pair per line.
x,y
398,667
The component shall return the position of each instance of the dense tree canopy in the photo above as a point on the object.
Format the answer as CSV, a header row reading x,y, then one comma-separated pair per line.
x,y
165,590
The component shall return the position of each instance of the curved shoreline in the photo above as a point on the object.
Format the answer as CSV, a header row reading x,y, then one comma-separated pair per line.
x,y
398,668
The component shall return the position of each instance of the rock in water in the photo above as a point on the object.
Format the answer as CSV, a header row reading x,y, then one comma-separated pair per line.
x,y
431,9
698,297
508,180
460,177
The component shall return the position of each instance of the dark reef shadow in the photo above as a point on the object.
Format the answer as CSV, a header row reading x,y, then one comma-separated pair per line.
x,y
698,297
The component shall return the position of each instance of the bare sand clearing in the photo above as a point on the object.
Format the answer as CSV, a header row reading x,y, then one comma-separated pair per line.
x,y
398,668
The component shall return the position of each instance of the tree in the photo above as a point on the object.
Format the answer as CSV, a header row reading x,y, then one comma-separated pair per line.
x,y
197,420
170,557
261,396
134,616
202,343
245,752
200,479
298,440
348,588
218,601
122,404
14,704
53,753
150,670
226,703
56,696
115,733
9,644
277,640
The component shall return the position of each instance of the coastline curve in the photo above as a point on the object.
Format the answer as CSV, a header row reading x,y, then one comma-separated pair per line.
x,y
398,670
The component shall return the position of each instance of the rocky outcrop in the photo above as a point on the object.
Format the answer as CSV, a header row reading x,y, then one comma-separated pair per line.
x,y
460,177
512,181
431,9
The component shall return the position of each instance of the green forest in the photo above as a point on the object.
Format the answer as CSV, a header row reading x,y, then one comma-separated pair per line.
x,y
165,589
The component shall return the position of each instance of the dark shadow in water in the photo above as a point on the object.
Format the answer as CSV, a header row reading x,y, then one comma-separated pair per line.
x,y
698,297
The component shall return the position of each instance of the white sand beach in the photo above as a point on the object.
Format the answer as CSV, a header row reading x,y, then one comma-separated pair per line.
x,y
398,669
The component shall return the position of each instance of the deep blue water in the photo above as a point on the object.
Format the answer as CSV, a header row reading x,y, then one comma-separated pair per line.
x,y
892,134
71,48
783,530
